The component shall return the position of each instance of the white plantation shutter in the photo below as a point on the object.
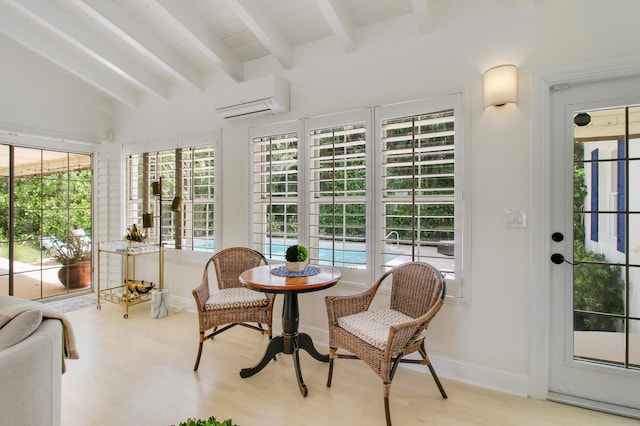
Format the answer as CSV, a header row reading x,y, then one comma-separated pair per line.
x,y
199,179
275,194
338,189
187,172
108,212
362,197
420,200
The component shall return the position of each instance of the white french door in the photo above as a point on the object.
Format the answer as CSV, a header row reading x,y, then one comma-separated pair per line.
x,y
594,192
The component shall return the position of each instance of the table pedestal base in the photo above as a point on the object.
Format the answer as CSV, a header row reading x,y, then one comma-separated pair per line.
x,y
290,342
287,345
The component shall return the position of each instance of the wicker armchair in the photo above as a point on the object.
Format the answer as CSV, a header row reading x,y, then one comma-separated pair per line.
x,y
232,303
381,337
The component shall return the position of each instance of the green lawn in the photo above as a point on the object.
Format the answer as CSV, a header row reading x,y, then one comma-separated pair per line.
x,y
26,253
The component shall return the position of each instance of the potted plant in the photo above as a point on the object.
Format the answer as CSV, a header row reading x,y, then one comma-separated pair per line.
x,y
75,258
297,257
211,421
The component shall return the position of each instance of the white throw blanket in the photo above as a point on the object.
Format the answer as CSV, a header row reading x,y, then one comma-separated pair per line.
x,y
11,306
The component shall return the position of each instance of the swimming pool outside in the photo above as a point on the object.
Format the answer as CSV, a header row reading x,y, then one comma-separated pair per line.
x,y
354,256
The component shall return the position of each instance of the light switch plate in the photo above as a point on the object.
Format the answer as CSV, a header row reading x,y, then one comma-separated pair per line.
x,y
515,218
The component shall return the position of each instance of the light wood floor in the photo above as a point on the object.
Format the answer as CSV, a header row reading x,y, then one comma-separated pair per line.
x,y
139,371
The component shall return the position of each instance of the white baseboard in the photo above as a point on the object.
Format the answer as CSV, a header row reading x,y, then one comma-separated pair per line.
x,y
468,373
182,303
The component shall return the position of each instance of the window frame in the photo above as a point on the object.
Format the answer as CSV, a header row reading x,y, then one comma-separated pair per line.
x,y
373,118
187,212
82,232
415,108
356,117
255,232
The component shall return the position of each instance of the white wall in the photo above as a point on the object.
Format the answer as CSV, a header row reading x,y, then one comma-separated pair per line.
x,y
40,99
485,338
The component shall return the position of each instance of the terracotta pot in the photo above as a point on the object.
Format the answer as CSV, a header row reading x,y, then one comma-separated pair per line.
x,y
75,275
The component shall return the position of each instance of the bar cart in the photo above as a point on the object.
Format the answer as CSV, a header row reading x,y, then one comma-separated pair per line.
x,y
129,291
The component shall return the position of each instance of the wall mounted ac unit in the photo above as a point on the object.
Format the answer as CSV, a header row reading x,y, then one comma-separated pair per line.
x,y
266,95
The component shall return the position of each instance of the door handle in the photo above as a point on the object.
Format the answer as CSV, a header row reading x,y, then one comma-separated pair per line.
x,y
558,259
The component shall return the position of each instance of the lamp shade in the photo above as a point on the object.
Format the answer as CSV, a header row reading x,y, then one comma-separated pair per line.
x,y
176,204
147,220
500,85
156,188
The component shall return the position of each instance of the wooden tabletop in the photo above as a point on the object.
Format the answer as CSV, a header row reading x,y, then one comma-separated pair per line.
x,y
261,278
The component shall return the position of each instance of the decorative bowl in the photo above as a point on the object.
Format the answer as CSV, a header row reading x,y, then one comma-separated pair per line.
x,y
140,287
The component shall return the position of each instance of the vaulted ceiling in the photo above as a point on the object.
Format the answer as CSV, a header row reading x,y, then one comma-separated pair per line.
x,y
126,48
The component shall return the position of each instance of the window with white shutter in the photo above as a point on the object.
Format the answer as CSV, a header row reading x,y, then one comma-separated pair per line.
x,y
420,196
184,210
338,189
275,193
364,197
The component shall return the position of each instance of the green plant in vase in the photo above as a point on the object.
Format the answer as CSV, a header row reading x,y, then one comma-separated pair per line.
x,y
297,257
211,421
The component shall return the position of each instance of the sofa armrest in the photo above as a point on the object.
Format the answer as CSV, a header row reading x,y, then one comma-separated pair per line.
x,y
31,377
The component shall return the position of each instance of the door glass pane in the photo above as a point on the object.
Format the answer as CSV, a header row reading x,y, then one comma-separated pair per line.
x,y
4,269
634,343
4,220
27,285
605,236
51,210
634,293
603,346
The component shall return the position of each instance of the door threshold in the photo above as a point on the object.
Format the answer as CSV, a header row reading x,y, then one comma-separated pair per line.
x,y
604,407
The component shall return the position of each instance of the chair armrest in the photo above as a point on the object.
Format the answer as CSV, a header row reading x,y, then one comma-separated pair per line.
x,y
340,306
272,299
406,333
201,294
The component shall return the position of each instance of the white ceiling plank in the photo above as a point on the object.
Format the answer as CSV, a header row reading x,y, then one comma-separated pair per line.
x,y
126,27
196,31
424,14
54,50
61,24
340,22
252,13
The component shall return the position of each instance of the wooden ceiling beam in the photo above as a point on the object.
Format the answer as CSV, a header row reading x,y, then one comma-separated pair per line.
x,y
139,38
252,13
340,22
58,52
43,12
198,33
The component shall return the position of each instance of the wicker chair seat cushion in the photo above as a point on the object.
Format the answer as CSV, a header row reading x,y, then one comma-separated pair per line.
x,y
236,297
373,326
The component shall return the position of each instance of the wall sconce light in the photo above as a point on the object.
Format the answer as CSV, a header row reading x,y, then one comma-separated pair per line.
x,y
500,85
176,204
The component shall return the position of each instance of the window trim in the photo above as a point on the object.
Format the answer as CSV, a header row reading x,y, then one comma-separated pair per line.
x,y
461,225
340,120
292,127
156,146
373,118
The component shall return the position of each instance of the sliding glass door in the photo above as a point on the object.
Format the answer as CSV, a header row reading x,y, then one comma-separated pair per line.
x,y
45,222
